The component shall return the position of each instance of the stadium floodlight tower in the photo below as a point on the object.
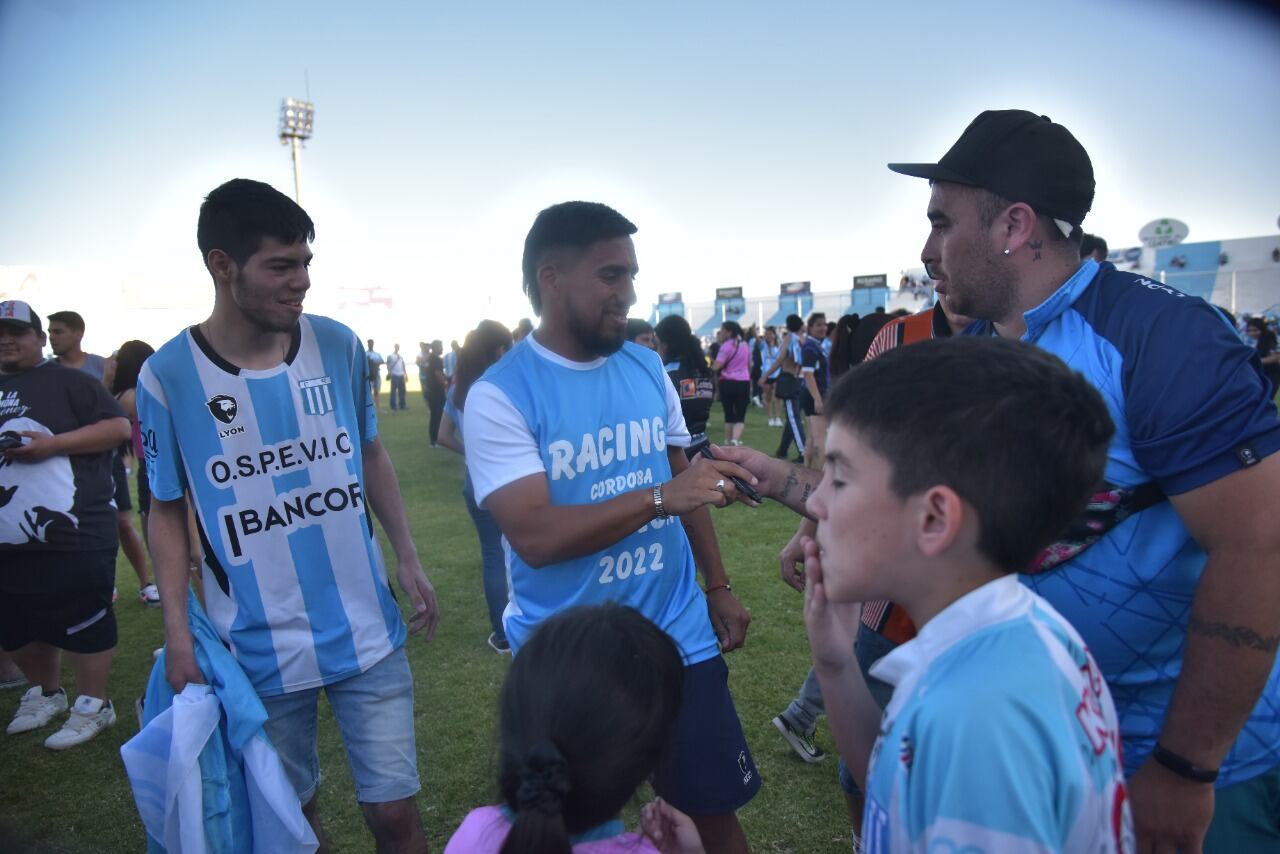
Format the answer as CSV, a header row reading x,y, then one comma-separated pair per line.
x,y
296,119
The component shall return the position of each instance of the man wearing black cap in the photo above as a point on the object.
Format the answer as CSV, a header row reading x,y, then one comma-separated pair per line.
x,y
58,428
1173,579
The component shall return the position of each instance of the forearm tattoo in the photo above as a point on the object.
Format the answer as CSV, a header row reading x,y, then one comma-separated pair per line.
x,y
793,480
1240,637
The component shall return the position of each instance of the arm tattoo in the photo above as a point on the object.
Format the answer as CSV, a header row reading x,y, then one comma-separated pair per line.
x,y
793,481
1236,636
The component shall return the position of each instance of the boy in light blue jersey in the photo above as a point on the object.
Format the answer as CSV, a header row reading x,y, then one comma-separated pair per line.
x,y
261,417
949,465
574,442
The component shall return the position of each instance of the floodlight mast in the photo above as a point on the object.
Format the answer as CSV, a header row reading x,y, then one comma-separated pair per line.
x,y
296,120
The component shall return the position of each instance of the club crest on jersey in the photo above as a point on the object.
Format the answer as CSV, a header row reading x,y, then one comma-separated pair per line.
x,y
317,399
223,407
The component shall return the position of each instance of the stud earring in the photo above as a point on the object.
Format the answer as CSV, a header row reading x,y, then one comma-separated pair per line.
x,y
1007,252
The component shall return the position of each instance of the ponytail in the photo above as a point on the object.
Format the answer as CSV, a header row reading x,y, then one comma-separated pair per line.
x,y
543,784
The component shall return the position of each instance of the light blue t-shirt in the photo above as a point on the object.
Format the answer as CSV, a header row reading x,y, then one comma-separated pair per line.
x,y
769,355
594,430
294,581
1001,736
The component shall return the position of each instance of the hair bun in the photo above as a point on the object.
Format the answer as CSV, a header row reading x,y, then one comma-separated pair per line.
x,y
544,779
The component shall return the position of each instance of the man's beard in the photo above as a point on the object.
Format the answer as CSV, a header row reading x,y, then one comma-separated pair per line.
x,y
988,291
259,320
592,340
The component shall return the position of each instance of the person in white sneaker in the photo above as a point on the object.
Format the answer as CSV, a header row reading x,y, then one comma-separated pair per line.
x,y
304,605
58,538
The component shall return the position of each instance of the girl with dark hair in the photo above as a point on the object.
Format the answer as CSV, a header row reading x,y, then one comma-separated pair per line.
x,y
121,376
588,708
685,364
842,345
1265,340
733,365
484,345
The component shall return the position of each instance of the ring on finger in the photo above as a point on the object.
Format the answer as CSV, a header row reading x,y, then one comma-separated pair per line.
x,y
720,484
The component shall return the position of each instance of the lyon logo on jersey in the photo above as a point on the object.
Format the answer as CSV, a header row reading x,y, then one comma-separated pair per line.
x,y
223,407
316,397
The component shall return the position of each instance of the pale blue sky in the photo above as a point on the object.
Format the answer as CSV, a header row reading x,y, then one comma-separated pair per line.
x,y
747,140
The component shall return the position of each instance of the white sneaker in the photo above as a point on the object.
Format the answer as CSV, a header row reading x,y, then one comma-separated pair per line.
x,y
89,716
35,709
150,595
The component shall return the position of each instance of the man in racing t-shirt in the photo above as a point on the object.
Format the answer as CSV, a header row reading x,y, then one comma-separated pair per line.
x,y
575,443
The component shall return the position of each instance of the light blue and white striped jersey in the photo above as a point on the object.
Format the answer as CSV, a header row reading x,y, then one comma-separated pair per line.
x,y
769,355
1001,736
595,430
293,577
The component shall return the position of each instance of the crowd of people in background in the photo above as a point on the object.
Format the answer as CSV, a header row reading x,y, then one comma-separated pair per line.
x,y
977,484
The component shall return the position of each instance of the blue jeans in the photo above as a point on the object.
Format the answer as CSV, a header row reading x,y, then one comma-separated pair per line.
x,y
374,711
807,706
493,561
397,393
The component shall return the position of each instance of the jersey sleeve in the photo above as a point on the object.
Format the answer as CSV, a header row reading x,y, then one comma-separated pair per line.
x,y
809,358
677,430
1195,413
361,389
159,440
500,447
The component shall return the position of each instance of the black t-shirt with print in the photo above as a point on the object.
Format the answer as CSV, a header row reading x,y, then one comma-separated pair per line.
x,y
63,503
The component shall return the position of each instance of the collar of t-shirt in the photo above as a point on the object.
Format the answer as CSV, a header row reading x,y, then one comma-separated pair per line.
x,y
994,602
557,359
1060,300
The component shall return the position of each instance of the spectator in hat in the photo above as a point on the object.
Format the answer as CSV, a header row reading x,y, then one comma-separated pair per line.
x,y
59,428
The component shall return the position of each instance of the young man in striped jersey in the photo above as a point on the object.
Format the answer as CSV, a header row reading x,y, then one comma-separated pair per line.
x,y
263,417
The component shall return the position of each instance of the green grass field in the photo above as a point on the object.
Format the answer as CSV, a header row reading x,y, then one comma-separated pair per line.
x,y
79,800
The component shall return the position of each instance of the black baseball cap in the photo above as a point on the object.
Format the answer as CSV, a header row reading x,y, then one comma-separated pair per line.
x,y
1022,157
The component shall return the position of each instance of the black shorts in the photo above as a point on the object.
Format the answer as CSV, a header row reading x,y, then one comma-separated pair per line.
x,y
806,402
70,607
144,490
123,501
735,395
708,769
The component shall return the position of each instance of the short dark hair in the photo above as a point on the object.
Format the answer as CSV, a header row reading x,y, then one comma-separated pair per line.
x,y
794,323
1092,243
991,205
568,225
70,319
236,217
1008,426
637,327
587,709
